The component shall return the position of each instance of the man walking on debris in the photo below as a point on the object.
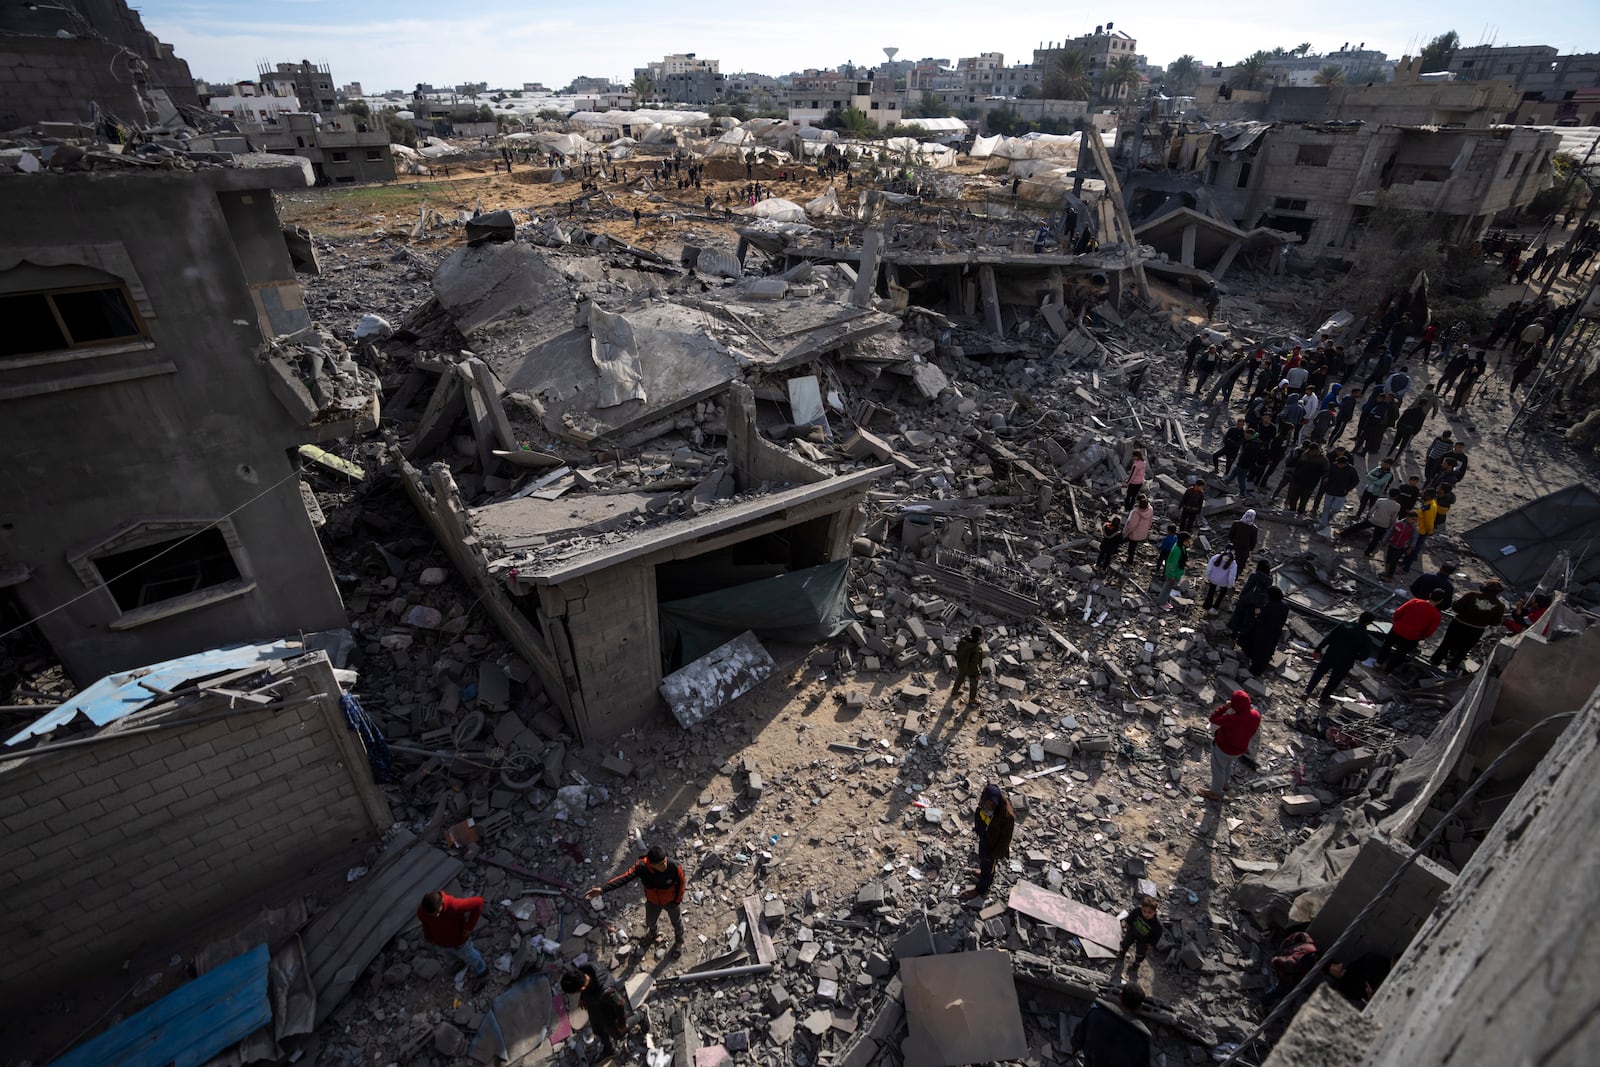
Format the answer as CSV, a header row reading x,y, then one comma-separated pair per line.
x,y
599,995
1237,722
994,821
663,883
448,922
1110,1035
969,664
1339,650
1474,612
1414,622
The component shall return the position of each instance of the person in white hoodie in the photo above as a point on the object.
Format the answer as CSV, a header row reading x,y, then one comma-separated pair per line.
x,y
1222,570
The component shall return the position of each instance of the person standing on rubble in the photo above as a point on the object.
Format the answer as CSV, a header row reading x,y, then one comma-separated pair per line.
x,y
969,664
1138,471
1172,569
598,994
994,821
1141,931
447,924
1244,535
1196,345
1336,485
1222,570
1375,485
1110,540
1414,622
663,883
1136,527
1191,504
1109,1035
1260,639
1237,722
1474,613
1340,649
1228,454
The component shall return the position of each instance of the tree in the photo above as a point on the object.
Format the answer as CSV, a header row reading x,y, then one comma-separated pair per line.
x,y
1183,73
1122,77
1248,72
1278,53
931,106
551,114
856,121
400,131
1330,75
1302,49
1437,53
643,86
358,108
1397,243
485,113
1068,78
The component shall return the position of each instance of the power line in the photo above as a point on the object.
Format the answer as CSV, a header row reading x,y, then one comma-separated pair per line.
x,y
106,582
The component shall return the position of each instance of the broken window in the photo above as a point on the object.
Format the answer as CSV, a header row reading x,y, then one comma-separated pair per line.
x,y
1243,180
341,157
374,155
60,319
1286,203
1313,155
1516,157
158,571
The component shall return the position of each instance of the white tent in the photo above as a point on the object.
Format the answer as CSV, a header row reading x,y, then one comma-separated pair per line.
x,y
776,209
948,124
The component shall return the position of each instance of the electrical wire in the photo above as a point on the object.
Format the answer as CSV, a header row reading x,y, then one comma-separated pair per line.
x,y
1326,956
106,582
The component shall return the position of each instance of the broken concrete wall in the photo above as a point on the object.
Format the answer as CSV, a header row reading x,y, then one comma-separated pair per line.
x,y
753,459
163,435
604,629
1392,925
135,837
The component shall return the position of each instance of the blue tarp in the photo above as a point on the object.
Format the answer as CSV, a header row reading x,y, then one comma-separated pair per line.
x,y
117,696
191,1024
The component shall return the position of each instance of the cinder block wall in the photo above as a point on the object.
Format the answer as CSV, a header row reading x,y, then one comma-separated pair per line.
x,y
611,621
108,848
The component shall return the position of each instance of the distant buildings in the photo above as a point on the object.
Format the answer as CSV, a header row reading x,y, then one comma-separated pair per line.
x,y
342,149
250,102
1100,50
313,84
1556,89
814,94
685,78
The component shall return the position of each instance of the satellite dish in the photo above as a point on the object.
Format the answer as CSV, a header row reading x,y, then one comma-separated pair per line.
x,y
891,53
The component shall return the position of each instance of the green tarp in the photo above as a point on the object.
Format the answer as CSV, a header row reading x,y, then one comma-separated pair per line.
x,y
800,608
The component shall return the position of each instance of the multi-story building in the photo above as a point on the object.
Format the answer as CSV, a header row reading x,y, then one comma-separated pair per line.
x,y
685,78
1555,88
342,149
814,94
159,372
1357,66
249,102
313,84
584,84
352,91
1100,49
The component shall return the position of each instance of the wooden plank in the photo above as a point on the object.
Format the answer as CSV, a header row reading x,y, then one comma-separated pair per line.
x,y
759,934
1088,923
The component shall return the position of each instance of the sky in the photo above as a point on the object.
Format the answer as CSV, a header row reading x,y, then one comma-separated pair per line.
x,y
384,45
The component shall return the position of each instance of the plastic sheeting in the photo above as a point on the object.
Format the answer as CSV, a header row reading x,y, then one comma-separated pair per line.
x,y
801,607
1522,543
776,209
824,206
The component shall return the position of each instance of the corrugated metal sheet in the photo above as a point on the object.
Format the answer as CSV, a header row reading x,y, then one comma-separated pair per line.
x,y
191,1024
119,695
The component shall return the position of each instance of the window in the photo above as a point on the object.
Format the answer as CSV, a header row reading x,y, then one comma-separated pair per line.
x,y
1516,157
162,570
155,569
341,157
1313,155
62,319
1244,175
1285,203
374,155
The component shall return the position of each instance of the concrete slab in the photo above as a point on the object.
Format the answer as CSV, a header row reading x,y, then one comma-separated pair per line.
x,y
1067,914
961,1009
716,679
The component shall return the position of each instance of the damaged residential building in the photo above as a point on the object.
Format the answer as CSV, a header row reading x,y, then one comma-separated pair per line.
x,y
159,373
1315,169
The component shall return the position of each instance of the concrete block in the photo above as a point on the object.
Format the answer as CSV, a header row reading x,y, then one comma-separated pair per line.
x,y
1344,764
1301,804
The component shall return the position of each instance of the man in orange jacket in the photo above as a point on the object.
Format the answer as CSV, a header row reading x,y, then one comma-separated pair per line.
x,y
1414,622
663,883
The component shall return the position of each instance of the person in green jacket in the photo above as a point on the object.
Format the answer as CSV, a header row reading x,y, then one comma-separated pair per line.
x,y
969,664
1172,570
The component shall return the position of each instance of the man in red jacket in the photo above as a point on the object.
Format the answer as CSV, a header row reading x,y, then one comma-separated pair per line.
x,y
448,922
1414,622
663,883
1237,722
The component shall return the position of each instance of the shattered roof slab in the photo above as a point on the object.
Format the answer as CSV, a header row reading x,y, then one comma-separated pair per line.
x,y
582,561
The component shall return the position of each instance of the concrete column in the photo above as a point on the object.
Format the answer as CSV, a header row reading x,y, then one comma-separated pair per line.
x,y
867,272
1227,260
1187,256
991,299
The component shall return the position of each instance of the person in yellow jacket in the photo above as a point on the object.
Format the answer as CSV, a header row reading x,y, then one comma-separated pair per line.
x,y
1427,516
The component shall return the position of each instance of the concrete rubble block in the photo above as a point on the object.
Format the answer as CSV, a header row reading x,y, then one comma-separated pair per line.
x,y
878,965
1096,743
754,785
618,766
827,989
1301,804
870,896
780,1031
448,1040
1190,956
818,1022
1344,764
916,941
424,618
432,576
736,1041
779,1000
494,685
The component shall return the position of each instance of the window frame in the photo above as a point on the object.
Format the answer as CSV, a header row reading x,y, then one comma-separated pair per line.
x,y
78,349
141,532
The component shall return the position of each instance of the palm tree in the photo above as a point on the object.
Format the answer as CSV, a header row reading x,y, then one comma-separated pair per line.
x,y
1330,75
1247,72
643,86
1122,76
1069,78
1184,72
1302,49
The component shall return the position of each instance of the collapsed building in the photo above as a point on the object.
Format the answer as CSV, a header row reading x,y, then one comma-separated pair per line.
x,y
880,422
160,375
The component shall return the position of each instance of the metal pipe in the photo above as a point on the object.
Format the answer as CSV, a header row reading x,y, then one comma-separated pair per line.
x,y
726,972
